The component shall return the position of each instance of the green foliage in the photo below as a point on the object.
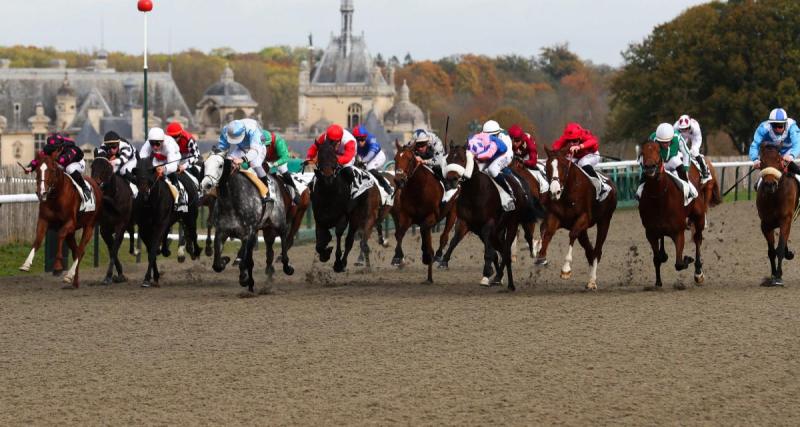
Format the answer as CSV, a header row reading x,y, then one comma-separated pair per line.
x,y
728,64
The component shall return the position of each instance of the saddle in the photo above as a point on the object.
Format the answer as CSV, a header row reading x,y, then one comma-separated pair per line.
x,y
689,191
506,200
86,205
703,180
541,178
601,186
263,190
386,198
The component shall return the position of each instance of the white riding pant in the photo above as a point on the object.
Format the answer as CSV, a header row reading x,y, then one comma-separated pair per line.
x,y
127,167
77,166
255,155
495,167
674,163
591,159
282,169
377,162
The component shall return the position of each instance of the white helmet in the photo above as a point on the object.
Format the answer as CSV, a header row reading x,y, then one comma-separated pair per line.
x,y
684,122
420,136
155,134
491,127
665,132
778,115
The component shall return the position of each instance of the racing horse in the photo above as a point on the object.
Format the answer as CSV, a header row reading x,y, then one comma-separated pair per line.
x,y
240,213
418,201
154,210
334,207
479,210
59,208
117,216
528,228
663,214
572,205
776,201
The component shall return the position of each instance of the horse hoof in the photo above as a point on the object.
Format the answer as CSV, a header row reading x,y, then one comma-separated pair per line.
x,y
57,272
397,262
681,267
120,279
325,254
237,261
773,282
288,269
68,287
789,255
266,290
591,286
541,262
270,270
25,268
137,252
485,281
107,281
67,279
358,263
146,284
181,259
566,274
246,294
699,278
443,265
338,267
496,282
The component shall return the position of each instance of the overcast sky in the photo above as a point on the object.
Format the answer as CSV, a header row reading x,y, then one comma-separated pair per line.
x,y
429,29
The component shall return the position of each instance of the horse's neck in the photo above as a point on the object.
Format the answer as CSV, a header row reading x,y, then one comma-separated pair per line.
x,y
422,179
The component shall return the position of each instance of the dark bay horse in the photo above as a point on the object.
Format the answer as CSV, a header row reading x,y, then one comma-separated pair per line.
x,y
418,201
664,215
572,205
528,228
776,202
479,210
334,208
117,215
59,204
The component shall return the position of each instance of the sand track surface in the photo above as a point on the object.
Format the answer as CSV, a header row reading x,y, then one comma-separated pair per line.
x,y
382,347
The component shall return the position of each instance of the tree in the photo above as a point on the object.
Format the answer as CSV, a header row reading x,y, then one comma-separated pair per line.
x,y
558,61
727,64
408,60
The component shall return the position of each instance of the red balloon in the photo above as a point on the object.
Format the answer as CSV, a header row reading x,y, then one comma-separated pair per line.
x,y
145,5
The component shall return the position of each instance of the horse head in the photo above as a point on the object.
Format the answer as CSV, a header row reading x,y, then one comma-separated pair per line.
x,y
48,175
327,162
102,170
558,167
145,175
772,167
212,168
460,165
652,164
405,164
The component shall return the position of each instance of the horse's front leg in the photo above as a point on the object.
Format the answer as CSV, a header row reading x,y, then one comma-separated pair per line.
x,y
655,245
107,234
269,242
402,222
549,227
489,254
286,244
681,261
461,231
427,250
41,230
783,239
445,236
323,238
246,264
341,261
73,276
578,228
65,230
769,235
699,276
220,262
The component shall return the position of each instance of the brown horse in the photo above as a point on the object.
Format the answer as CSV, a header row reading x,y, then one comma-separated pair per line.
x,y
776,201
418,200
709,190
59,204
528,228
664,215
116,218
572,206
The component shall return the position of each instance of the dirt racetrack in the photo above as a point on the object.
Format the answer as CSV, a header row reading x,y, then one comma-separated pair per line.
x,y
384,348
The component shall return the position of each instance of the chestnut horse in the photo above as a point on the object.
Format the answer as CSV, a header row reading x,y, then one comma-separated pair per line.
x,y
59,204
664,215
776,202
479,210
418,200
572,206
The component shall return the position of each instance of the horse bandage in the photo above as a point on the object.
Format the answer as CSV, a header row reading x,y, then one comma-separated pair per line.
x,y
263,190
770,171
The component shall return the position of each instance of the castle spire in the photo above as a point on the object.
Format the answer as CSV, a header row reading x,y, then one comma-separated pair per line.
x,y
347,26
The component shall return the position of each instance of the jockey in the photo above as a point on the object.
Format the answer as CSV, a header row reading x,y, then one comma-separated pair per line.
x,y
674,153
690,131
780,131
583,147
345,144
493,155
278,158
429,150
524,147
190,154
164,152
370,154
119,152
69,157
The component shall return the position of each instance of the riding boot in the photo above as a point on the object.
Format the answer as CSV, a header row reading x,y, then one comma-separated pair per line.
x,y
501,180
287,179
703,168
792,168
78,177
268,197
681,171
590,170
437,170
382,181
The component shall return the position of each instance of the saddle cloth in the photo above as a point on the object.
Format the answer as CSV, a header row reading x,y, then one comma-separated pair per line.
x,y
301,181
601,187
362,181
506,200
386,198
541,178
134,189
176,192
86,205
689,192
263,190
703,181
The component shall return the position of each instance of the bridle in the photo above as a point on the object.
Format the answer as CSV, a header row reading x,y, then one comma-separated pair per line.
x,y
400,173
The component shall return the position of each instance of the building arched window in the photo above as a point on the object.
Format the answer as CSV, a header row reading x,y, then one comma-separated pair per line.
x,y
239,114
353,115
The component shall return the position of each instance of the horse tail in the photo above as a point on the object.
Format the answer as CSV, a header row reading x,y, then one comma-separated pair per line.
x,y
716,196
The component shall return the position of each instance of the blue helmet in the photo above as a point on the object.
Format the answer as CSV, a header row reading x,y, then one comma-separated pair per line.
x,y
235,132
778,115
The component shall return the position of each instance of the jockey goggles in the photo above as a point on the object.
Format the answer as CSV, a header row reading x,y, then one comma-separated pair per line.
x,y
778,125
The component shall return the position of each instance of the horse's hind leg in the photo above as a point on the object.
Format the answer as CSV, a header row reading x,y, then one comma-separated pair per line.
x,y
269,242
182,242
107,234
461,231
286,243
527,231
246,265
341,261
119,237
427,250
783,239
699,276
489,254
402,222
548,229
656,244
448,225
681,261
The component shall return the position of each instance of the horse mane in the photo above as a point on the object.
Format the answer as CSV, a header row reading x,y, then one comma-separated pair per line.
x,y
326,155
222,185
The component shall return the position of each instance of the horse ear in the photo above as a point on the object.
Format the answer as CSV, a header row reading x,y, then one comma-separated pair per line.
x,y
548,151
397,144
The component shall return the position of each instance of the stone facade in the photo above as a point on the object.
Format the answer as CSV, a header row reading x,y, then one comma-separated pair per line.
x,y
222,102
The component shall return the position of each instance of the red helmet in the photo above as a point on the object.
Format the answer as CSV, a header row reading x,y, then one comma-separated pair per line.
x,y
334,133
515,132
573,131
174,129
